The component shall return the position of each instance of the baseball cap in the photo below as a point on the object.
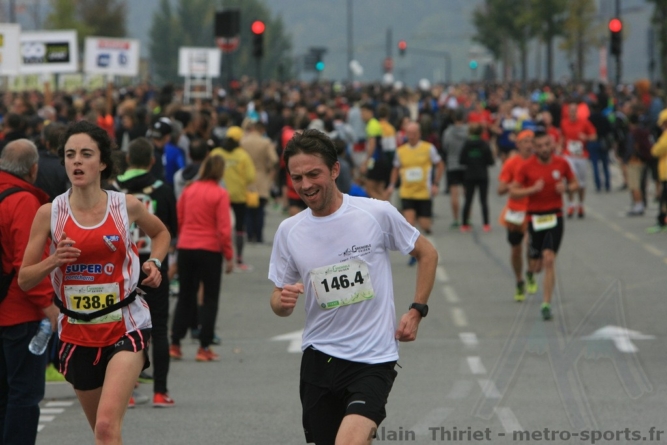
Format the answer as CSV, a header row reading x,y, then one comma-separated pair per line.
x,y
161,128
525,134
662,117
235,133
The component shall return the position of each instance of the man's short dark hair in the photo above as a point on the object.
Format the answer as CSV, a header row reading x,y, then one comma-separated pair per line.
x,y
53,133
15,121
383,111
140,153
198,150
312,142
367,106
539,133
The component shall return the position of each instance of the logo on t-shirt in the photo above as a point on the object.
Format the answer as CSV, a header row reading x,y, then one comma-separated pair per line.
x,y
556,174
359,250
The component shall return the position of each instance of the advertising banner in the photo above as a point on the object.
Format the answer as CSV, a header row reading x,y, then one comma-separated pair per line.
x,y
48,52
201,62
9,49
119,57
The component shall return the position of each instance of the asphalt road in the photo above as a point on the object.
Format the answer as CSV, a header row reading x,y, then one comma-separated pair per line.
x,y
484,369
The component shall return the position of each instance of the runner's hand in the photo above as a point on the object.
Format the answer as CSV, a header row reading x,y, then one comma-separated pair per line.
x,y
153,275
65,253
561,187
290,294
538,186
408,326
229,266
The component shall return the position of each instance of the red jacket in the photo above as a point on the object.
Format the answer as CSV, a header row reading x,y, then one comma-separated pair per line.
x,y
204,221
16,214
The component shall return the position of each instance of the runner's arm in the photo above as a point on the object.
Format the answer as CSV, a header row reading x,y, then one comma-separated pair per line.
x,y
518,192
427,261
34,269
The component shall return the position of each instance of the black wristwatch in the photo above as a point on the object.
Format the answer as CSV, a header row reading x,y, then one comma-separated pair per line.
x,y
421,308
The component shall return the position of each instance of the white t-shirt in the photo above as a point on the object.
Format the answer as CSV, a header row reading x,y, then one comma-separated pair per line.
x,y
360,233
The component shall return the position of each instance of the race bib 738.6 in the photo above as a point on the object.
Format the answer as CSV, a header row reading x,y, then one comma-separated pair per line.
x,y
90,298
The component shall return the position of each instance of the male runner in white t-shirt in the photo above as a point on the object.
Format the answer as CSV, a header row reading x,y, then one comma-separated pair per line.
x,y
336,252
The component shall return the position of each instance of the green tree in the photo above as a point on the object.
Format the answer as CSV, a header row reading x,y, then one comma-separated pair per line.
x,y
65,15
660,21
107,18
192,25
580,34
547,18
165,38
500,21
104,18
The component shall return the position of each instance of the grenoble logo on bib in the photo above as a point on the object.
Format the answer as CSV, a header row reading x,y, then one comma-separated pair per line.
x,y
362,250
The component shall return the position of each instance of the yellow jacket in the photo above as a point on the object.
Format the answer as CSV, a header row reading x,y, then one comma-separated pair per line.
x,y
659,150
239,172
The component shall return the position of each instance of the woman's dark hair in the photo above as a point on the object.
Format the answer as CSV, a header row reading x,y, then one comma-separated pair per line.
x,y
312,142
97,134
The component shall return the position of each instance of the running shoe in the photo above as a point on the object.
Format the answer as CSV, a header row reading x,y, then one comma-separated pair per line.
x,y
546,311
581,213
531,285
412,261
53,375
174,288
454,226
144,377
656,229
520,293
570,211
175,352
162,400
465,228
206,355
486,228
138,398
131,403
216,340
243,267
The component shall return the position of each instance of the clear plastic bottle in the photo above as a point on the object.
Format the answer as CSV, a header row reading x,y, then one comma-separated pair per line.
x,y
41,339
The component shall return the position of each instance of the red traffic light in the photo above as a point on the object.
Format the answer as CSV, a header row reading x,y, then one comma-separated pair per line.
x,y
615,25
258,27
402,45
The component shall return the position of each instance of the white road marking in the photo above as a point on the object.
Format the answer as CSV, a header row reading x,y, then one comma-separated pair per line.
x,y
450,294
40,428
52,410
459,317
433,419
489,389
46,418
508,419
620,336
55,404
441,274
654,250
476,366
460,390
469,339
631,236
294,339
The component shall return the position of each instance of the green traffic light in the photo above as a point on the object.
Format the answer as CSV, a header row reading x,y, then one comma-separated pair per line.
x,y
319,66
473,64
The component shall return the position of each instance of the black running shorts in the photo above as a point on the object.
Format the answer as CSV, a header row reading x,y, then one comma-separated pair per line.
x,y
514,237
422,207
332,388
84,367
549,239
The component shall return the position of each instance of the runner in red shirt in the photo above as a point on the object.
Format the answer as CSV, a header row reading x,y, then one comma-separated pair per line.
x,y
543,179
577,132
513,215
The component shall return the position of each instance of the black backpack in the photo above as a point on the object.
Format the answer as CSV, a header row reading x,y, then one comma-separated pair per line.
x,y
6,279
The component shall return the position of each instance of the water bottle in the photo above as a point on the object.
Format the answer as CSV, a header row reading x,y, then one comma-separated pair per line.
x,y
41,339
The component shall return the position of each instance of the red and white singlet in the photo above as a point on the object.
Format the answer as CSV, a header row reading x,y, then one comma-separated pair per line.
x,y
106,271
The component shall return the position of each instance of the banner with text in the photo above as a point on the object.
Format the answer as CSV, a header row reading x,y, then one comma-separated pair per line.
x,y
10,35
119,57
49,52
200,62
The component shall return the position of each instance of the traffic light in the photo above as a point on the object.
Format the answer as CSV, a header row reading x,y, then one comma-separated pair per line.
x,y
258,27
402,46
314,60
473,65
616,38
